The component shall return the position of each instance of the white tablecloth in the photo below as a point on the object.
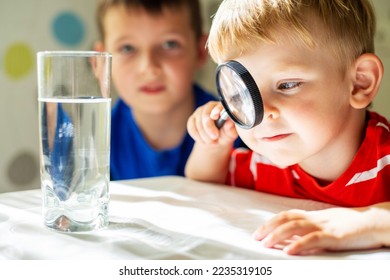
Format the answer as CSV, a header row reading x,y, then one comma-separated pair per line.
x,y
157,218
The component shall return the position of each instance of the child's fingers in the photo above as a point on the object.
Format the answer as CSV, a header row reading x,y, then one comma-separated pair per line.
x,y
309,244
205,122
206,127
200,124
208,122
229,130
275,222
286,232
216,111
192,128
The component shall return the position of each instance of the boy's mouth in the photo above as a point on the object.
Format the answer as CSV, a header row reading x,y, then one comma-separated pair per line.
x,y
276,137
152,89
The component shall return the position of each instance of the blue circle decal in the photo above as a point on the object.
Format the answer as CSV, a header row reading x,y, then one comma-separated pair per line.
x,y
68,28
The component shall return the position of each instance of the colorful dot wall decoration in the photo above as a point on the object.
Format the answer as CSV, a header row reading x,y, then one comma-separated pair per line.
x,y
68,28
18,60
42,25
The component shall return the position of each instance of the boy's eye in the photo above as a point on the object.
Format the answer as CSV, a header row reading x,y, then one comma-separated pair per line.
x,y
170,45
126,49
289,85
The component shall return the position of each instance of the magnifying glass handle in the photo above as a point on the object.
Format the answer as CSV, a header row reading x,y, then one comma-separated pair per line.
x,y
222,119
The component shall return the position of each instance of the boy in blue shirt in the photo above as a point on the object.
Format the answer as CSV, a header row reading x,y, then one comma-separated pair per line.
x,y
157,48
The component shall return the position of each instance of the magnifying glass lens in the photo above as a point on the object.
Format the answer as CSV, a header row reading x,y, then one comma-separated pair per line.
x,y
239,94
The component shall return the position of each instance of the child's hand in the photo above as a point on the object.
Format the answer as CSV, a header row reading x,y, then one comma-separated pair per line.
x,y
334,229
201,125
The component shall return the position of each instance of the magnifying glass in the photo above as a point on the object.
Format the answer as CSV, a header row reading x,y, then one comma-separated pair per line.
x,y
239,95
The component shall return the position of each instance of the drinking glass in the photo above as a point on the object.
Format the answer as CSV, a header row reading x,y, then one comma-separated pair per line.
x,y
74,131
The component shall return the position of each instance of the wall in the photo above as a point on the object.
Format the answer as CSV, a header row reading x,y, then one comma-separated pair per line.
x,y
69,24
25,28
382,41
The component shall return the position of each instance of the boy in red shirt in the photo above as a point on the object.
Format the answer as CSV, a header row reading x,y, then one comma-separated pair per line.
x,y
314,64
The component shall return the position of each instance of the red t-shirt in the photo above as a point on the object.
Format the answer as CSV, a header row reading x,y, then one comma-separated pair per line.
x,y
365,182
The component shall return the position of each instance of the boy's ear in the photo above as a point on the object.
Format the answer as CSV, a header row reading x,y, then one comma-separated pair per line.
x,y
367,76
98,46
202,51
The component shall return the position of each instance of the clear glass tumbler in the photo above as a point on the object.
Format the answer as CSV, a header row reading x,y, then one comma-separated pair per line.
x,y
74,130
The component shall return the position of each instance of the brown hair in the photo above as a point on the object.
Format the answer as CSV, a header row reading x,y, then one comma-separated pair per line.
x,y
153,7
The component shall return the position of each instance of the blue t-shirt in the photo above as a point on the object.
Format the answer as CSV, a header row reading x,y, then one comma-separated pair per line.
x,y
133,157
59,162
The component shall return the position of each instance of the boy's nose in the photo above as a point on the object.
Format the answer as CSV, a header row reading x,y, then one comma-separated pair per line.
x,y
150,64
271,112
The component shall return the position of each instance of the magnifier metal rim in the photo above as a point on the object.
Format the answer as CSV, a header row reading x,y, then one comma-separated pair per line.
x,y
250,84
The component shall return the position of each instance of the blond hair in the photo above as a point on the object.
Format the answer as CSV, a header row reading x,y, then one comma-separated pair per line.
x,y
239,25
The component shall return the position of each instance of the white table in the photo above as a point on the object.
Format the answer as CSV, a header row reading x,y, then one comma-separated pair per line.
x,y
157,218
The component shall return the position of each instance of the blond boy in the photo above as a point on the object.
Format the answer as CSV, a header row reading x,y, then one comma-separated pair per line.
x,y
314,64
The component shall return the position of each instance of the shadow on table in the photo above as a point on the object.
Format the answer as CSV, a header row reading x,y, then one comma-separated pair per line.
x,y
143,240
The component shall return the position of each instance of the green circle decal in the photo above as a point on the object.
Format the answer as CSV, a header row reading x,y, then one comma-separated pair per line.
x,y
18,60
